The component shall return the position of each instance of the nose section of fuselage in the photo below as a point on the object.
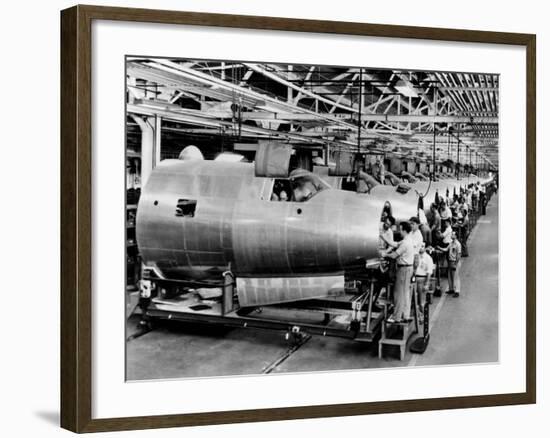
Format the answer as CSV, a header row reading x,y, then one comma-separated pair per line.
x,y
360,230
355,218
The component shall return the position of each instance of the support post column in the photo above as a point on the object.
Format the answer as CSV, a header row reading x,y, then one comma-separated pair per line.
x,y
150,144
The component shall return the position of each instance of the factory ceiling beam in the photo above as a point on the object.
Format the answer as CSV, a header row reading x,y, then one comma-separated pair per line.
x,y
478,92
301,90
340,76
482,93
456,97
474,98
308,76
464,99
493,95
203,121
317,91
222,66
488,94
343,93
467,99
468,88
245,115
290,116
217,94
421,118
269,103
374,106
244,135
455,80
430,104
168,80
294,76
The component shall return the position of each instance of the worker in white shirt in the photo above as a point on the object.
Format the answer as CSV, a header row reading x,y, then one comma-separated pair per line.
x,y
423,273
416,234
404,257
446,233
475,199
417,238
468,198
445,212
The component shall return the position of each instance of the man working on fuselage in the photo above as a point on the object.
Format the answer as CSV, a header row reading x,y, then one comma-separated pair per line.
x,y
404,257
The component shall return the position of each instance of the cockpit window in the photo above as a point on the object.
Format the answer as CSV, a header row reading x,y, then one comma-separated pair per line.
x,y
300,186
282,190
305,185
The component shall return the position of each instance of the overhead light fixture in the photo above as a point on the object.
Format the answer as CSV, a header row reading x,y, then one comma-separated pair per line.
x,y
405,88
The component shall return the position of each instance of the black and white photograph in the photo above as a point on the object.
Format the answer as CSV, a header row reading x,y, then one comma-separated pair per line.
x,y
289,218
275,219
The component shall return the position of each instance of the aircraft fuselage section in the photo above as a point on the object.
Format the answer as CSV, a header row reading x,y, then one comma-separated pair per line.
x,y
195,218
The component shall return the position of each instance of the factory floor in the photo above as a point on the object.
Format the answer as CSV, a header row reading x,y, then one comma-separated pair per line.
x,y
463,330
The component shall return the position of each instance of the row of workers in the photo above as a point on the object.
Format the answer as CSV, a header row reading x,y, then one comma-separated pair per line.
x,y
441,236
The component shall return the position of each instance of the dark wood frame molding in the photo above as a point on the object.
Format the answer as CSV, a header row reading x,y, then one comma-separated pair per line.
x,y
76,224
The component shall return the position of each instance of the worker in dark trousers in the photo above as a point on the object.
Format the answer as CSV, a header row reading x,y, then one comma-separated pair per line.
x,y
483,201
454,253
441,251
434,221
463,226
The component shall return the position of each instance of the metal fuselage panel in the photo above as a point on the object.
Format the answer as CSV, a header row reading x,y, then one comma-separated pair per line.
x,y
198,245
235,222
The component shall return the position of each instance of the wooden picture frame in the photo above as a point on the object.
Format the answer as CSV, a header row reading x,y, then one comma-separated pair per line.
x,y
76,218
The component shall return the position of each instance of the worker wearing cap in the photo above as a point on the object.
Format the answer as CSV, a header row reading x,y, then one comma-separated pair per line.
x,y
404,257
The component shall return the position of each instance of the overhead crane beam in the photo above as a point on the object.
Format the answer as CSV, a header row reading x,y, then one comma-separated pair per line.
x,y
203,121
310,116
467,88
421,118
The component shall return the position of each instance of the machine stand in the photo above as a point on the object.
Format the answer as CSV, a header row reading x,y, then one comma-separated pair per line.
x,y
399,333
